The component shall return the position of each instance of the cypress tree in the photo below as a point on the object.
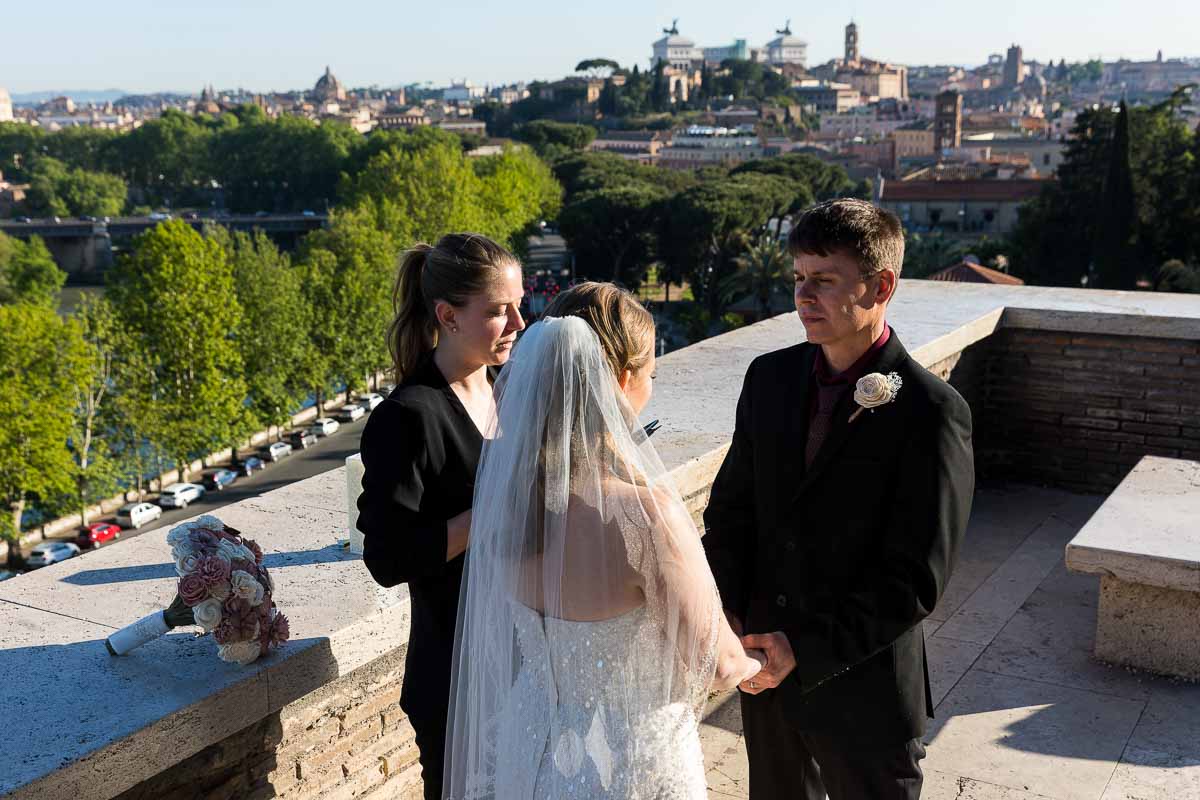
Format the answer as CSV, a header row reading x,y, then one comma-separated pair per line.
x,y
1115,253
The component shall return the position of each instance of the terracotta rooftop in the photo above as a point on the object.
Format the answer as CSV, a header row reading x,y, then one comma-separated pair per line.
x,y
970,272
1015,190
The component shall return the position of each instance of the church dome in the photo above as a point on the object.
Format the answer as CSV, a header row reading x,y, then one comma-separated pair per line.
x,y
328,87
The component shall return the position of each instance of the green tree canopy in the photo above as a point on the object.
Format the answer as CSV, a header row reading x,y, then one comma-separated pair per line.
x,y
176,299
274,329
348,272
707,227
1176,276
57,190
41,357
28,273
822,181
611,231
285,164
1122,203
548,137
95,472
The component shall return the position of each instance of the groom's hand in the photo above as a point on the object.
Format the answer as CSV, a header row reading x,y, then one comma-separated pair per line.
x,y
780,661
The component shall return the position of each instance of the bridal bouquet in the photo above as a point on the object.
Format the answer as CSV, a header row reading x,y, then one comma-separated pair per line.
x,y
223,588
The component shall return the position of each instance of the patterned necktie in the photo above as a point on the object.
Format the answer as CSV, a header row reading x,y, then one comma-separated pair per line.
x,y
822,421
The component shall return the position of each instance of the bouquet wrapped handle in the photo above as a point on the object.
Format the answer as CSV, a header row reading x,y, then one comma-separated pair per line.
x,y
149,628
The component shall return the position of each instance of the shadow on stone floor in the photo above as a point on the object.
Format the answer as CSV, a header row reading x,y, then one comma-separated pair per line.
x,y
145,572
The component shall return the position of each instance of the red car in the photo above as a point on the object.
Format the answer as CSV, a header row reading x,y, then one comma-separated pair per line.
x,y
98,532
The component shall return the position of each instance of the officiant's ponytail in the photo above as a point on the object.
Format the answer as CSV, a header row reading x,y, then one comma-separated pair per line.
x,y
458,266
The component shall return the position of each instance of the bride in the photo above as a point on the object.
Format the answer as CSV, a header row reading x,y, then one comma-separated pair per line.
x,y
590,630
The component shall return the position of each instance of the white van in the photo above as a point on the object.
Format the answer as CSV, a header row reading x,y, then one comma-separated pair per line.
x,y
135,515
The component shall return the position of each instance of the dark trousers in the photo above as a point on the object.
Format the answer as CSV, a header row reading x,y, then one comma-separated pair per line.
x,y
431,746
788,764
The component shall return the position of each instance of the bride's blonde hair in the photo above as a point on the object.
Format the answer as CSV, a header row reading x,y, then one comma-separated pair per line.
x,y
624,326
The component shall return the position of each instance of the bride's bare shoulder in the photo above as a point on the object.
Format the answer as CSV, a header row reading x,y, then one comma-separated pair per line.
x,y
661,505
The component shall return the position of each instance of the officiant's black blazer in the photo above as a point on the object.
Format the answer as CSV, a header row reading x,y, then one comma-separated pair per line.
x,y
848,557
420,451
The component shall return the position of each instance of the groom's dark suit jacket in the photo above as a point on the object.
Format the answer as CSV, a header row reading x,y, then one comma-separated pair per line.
x,y
847,557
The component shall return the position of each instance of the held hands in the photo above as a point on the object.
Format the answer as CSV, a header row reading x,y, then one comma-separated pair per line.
x,y
780,661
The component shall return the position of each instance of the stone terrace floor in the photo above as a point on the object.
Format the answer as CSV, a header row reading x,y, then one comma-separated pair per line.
x,y
1023,710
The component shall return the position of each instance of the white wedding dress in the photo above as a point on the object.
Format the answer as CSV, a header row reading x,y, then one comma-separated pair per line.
x,y
589,618
571,715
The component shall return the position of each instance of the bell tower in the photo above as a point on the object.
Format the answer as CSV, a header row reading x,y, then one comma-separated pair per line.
x,y
851,43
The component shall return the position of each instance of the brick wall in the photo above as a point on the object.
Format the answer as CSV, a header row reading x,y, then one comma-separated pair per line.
x,y
1078,411
347,739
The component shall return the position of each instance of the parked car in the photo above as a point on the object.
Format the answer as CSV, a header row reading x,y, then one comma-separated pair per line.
x,y
349,412
324,426
308,213
24,219
135,515
159,216
302,440
51,553
97,533
369,401
248,464
178,495
276,450
220,478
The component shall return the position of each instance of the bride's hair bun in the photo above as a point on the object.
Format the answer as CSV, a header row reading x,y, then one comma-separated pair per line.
x,y
624,327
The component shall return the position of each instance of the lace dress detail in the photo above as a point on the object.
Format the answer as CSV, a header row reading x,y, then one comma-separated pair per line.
x,y
580,721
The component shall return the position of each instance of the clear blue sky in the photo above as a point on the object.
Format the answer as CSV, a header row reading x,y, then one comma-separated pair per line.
x,y
139,45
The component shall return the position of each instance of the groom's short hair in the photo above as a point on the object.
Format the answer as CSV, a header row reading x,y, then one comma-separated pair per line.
x,y
873,235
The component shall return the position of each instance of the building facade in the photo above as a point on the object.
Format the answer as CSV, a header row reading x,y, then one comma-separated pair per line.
x,y
703,146
827,97
915,140
967,206
787,49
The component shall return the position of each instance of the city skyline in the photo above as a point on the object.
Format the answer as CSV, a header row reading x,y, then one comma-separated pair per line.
x,y
284,46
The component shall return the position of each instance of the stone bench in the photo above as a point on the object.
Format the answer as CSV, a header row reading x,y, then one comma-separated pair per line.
x,y
1144,542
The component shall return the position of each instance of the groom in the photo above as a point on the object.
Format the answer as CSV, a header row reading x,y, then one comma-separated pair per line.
x,y
834,523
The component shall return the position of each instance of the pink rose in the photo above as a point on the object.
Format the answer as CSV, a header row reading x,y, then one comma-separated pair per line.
x,y
193,589
213,571
274,634
242,620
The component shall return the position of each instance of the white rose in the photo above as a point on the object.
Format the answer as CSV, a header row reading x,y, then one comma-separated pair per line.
x,y
243,653
208,614
876,389
232,551
186,564
247,587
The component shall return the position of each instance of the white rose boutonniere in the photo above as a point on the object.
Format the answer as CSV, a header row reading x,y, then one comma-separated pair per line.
x,y
875,390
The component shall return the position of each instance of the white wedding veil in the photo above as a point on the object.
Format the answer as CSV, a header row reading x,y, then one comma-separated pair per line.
x,y
576,535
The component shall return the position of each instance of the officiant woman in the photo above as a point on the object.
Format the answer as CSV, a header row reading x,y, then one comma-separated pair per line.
x,y
457,315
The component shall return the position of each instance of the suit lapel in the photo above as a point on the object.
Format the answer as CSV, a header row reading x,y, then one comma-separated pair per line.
x,y
796,398
842,430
